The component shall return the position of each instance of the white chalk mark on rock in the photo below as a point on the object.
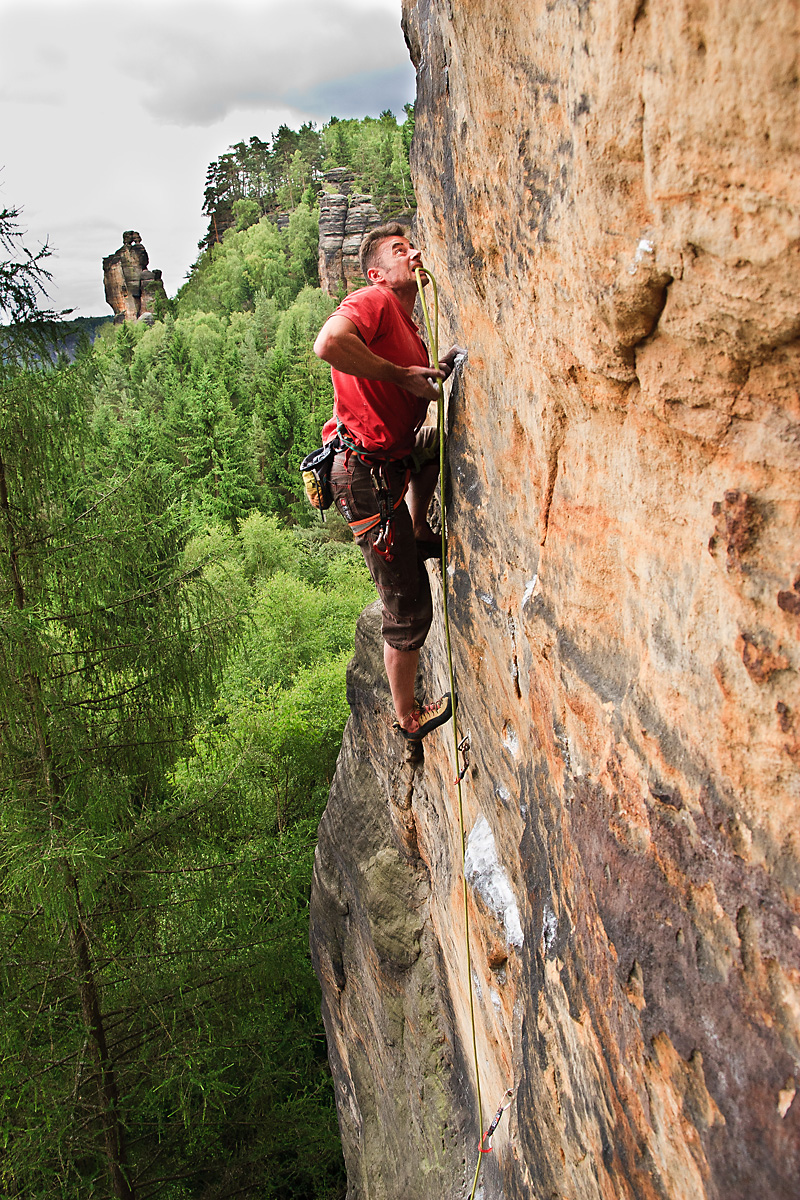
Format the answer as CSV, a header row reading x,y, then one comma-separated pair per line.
x,y
510,740
530,588
549,928
645,247
485,874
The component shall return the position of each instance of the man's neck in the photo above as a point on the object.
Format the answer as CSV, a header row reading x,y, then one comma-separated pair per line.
x,y
405,295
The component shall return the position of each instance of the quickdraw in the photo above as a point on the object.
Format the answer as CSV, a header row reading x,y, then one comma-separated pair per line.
x,y
464,747
383,494
496,1119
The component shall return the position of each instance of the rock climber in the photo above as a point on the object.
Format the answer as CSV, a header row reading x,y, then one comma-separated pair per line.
x,y
384,476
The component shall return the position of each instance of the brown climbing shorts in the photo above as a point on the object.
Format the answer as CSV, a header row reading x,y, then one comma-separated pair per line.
x,y
402,583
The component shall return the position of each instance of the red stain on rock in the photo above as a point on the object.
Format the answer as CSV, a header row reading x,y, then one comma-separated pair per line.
x,y
497,956
760,662
738,523
789,602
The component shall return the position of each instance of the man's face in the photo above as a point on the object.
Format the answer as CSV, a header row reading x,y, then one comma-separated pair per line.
x,y
394,263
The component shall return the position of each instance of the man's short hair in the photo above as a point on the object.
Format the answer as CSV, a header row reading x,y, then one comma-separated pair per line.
x,y
371,240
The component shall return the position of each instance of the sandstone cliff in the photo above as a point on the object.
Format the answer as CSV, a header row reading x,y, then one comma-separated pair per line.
x,y
344,217
608,194
132,291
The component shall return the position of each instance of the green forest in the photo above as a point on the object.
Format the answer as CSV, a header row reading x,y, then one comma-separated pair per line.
x,y
254,179
176,624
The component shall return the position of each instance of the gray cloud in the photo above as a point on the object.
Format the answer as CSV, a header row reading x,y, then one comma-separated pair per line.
x,y
228,60
357,95
194,63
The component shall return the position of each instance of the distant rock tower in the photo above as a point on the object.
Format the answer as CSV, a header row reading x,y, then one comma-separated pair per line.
x,y
344,218
131,289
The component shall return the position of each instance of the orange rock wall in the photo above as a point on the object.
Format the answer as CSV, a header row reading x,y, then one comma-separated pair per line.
x,y
608,194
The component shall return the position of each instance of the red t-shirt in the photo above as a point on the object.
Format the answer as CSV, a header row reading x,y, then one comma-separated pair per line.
x,y
381,417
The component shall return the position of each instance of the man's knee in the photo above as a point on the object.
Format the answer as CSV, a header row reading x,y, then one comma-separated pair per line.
x,y
407,603
407,632
426,448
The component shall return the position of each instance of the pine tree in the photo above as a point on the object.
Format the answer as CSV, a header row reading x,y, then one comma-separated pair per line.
x,y
303,239
161,1032
125,343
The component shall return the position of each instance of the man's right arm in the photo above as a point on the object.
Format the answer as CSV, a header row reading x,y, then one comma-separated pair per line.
x,y
340,344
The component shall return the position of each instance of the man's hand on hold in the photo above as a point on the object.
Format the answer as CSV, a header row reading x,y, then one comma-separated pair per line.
x,y
418,381
447,364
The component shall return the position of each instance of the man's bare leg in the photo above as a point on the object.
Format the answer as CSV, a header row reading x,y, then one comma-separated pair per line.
x,y
401,668
420,493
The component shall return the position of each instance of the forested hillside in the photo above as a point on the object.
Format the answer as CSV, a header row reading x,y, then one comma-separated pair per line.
x,y
176,624
253,179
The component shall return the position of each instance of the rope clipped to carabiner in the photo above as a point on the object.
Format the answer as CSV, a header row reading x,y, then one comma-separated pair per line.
x,y
486,1140
463,749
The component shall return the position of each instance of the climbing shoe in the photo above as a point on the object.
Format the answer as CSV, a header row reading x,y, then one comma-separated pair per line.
x,y
424,718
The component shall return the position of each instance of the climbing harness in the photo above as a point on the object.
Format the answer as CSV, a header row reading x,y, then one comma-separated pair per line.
x,y
316,472
383,495
463,745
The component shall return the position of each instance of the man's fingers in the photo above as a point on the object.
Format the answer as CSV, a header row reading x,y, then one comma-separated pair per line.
x,y
420,380
448,362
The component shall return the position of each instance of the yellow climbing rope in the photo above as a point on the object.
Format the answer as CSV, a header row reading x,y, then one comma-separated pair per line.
x,y
433,343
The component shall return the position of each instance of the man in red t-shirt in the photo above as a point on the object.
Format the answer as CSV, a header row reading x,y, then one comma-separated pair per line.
x,y
382,389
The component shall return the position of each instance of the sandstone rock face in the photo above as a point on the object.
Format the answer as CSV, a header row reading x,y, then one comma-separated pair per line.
x,y
131,290
608,194
402,1079
344,217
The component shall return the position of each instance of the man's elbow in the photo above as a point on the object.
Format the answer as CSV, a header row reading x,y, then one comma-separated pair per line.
x,y
323,344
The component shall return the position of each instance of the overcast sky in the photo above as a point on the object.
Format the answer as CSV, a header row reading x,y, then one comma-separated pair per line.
x,y
110,112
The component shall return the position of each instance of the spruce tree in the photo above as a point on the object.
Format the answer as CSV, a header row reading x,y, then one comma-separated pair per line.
x,y
218,476
106,650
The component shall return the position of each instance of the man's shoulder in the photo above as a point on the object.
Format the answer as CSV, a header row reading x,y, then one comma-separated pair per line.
x,y
366,298
372,310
